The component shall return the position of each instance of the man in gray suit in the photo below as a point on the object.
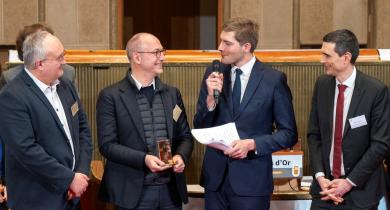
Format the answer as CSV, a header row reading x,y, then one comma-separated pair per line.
x,y
10,74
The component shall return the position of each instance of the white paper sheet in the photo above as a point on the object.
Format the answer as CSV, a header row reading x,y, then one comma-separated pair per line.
x,y
219,137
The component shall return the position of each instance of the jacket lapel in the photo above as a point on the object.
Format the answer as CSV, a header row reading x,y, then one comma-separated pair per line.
x,y
357,96
41,96
328,95
255,79
61,91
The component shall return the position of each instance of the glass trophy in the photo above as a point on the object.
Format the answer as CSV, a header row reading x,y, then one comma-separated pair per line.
x,y
164,151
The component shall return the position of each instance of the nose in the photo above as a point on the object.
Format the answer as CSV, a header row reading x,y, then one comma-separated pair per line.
x,y
220,47
323,59
162,56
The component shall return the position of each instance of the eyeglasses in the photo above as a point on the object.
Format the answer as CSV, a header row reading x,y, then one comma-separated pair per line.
x,y
157,53
59,59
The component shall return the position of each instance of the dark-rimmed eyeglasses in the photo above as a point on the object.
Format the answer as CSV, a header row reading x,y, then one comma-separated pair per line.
x,y
157,53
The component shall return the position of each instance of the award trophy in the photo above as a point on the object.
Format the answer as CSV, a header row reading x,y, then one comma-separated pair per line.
x,y
164,151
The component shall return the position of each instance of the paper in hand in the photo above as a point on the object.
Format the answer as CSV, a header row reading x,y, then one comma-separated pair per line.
x,y
219,137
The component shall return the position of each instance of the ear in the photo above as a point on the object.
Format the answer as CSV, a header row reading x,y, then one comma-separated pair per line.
x,y
136,58
39,64
347,57
247,47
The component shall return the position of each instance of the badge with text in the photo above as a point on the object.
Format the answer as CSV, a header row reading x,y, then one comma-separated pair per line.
x,y
74,108
176,113
358,121
164,151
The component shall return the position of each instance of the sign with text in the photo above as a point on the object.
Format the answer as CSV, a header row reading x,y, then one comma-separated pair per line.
x,y
287,164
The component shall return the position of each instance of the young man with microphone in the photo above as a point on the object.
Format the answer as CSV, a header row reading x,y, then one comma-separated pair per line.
x,y
253,96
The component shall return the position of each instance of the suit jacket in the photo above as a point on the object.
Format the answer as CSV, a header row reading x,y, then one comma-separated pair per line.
x,y
363,147
38,153
267,101
122,140
10,74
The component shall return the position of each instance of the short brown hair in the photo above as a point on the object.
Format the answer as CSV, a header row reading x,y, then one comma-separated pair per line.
x,y
246,31
27,30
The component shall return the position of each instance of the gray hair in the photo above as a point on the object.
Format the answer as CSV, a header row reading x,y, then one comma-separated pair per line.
x,y
33,49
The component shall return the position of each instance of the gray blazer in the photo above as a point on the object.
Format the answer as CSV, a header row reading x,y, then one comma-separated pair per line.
x,y
10,74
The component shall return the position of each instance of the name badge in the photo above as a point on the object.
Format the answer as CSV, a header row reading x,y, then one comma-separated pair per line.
x,y
176,113
358,121
74,108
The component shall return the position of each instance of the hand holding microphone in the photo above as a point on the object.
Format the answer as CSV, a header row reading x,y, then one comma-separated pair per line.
x,y
215,82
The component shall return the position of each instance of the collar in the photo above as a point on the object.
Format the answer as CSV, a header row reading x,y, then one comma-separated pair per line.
x,y
42,86
350,82
246,68
139,85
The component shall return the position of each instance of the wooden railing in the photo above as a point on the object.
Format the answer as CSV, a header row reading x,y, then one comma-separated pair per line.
x,y
206,56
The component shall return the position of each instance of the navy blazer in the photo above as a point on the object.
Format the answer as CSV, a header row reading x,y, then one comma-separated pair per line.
x,y
364,147
38,153
267,101
122,140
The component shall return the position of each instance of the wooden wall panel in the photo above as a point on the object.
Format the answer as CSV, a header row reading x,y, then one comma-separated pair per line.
x,y
382,35
1,21
353,15
276,31
275,18
62,16
93,23
80,24
16,14
316,19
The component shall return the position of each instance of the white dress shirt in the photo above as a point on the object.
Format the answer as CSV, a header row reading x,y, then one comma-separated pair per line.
x,y
246,73
350,83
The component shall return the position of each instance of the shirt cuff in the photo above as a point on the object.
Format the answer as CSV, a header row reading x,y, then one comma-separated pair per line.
x,y
353,184
211,108
318,174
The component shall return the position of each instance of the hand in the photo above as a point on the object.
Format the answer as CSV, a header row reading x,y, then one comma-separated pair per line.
x,y
179,164
336,190
240,148
155,164
325,185
336,199
3,193
340,186
79,184
323,182
214,82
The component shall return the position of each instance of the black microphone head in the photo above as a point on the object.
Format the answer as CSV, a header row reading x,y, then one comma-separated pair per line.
x,y
216,64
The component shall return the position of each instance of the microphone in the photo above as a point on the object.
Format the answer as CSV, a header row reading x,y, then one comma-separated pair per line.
x,y
216,64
